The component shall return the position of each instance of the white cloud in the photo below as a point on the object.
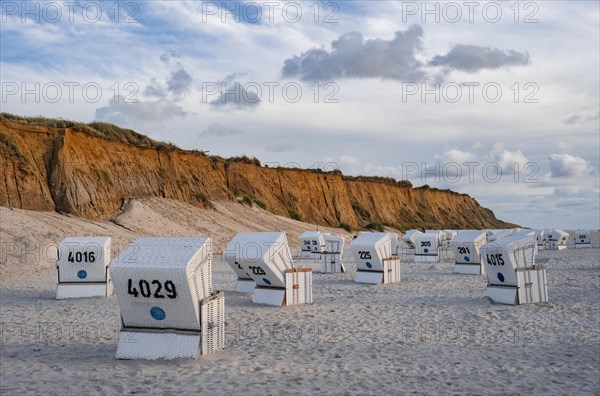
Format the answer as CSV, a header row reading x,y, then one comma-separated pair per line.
x,y
235,96
565,146
144,113
508,159
455,156
566,165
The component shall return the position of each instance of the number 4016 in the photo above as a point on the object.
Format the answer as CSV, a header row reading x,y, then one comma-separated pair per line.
x,y
78,257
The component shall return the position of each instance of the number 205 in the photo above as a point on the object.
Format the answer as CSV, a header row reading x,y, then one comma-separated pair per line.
x,y
146,291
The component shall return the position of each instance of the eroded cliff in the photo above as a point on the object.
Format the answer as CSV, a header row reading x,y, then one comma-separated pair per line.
x,y
70,170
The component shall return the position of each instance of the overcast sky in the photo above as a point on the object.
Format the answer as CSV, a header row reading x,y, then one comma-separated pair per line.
x,y
499,100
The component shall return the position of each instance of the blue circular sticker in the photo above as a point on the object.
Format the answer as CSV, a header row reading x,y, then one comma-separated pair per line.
x,y
500,277
369,265
426,250
82,274
467,258
268,282
157,313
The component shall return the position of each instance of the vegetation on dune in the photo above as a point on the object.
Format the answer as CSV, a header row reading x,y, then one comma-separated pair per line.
x,y
375,227
380,179
251,201
345,226
294,215
360,211
260,203
243,159
246,200
203,199
103,175
163,173
9,145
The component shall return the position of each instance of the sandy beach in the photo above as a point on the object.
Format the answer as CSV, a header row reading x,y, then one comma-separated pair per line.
x,y
433,333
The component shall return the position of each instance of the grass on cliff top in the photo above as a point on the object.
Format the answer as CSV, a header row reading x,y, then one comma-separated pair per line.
x,y
98,129
113,133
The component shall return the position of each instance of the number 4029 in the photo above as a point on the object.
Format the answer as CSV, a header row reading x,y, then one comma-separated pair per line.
x,y
146,291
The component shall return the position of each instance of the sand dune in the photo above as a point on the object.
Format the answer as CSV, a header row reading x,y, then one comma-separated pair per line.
x,y
435,332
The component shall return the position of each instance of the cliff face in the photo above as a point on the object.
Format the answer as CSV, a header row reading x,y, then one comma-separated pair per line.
x,y
69,171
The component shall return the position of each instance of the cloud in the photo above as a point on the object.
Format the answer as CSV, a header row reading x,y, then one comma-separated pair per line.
x,y
579,119
566,165
167,56
235,96
571,192
141,113
179,82
572,120
450,164
455,156
352,56
580,198
165,107
476,146
507,159
155,90
219,130
565,146
472,58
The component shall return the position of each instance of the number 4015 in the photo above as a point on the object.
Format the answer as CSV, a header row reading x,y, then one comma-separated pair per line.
x,y
495,259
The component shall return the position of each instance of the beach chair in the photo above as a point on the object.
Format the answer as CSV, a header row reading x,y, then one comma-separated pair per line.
x,y
513,278
266,259
467,252
167,305
583,239
82,268
372,252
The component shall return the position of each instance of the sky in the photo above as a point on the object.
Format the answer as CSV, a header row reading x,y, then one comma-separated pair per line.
x,y
499,100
